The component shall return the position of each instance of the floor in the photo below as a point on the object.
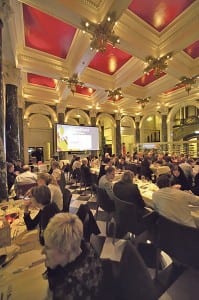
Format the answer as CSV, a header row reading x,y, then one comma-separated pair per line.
x,y
171,284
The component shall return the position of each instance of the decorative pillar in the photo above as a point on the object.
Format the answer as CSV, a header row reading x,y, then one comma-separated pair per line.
x,y
60,117
137,129
12,124
118,133
3,171
103,141
93,115
164,128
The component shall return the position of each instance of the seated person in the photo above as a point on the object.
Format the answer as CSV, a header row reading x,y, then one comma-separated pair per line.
x,y
41,198
74,271
105,182
122,165
86,172
173,203
56,193
195,188
127,191
26,177
179,178
10,176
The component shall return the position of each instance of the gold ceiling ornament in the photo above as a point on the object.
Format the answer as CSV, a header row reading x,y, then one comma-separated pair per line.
x,y
159,65
73,82
143,101
114,95
101,33
187,82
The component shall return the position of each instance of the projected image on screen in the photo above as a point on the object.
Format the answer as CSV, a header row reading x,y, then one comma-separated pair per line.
x,y
77,138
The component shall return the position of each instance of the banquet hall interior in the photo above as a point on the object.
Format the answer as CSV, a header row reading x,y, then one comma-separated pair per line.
x,y
129,68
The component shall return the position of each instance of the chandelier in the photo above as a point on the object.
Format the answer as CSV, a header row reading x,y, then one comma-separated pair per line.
x,y
159,65
143,101
114,95
101,33
187,82
72,83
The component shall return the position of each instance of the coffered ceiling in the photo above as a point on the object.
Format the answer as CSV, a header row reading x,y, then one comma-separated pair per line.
x,y
48,44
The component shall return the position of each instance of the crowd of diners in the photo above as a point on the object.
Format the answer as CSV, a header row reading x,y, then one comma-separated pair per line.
x,y
74,270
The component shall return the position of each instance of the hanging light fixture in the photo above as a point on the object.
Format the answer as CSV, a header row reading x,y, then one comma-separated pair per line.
x,y
159,65
72,83
101,33
143,101
114,95
187,82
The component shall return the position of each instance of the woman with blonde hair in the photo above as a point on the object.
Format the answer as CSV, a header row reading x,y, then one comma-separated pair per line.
x,y
51,182
73,269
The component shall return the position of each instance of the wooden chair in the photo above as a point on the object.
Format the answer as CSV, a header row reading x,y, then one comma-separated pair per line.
x,y
67,196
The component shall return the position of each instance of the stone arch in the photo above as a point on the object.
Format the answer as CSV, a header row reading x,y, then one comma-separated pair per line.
x,y
77,111
40,117
155,114
129,120
105,115
40,109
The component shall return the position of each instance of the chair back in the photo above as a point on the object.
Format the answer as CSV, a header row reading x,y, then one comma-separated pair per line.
x,y
126,218
62,182
178,241
103,200
67,196
134,279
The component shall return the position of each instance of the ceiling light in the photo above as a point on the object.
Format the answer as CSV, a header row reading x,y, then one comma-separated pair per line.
x,y
101,33
72,83
187,82
143,101
114,95
159,65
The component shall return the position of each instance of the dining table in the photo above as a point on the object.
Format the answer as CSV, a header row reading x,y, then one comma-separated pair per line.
x,y
21,272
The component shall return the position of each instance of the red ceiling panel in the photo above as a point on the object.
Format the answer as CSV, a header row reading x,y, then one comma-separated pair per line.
x,y
85,90
41,80
173,89
46,33
147,78
159,13
193,50
110,61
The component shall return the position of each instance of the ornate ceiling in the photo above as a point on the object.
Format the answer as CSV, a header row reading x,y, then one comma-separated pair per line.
x,y
48,44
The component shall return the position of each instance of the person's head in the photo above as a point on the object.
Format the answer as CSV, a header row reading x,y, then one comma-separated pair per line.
x,y
18,163
163,181
85,161
43,178
176,171
110,173
55,165
127,177
26,168
10,167
62,236
41,196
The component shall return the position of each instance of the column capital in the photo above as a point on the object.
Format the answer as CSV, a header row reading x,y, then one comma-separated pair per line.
x,y
5,10
118,116
137,119
60,108
93,113
11,74
163,110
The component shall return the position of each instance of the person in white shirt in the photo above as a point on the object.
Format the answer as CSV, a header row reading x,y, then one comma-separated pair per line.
x,y
173,203
26,177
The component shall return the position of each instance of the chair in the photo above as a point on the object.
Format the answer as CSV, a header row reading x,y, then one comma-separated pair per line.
x,y
89,223
85,180
104,202
62,181
178,241
126,219
134,280
67,196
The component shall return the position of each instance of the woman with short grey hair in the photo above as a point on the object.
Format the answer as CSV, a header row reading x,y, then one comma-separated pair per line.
x,y
74,270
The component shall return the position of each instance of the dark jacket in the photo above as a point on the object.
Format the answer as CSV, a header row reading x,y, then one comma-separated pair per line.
x,y
80,279
128,192
41,219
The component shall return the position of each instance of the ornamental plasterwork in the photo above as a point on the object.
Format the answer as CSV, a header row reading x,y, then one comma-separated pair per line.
x,y
11,74
94,4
